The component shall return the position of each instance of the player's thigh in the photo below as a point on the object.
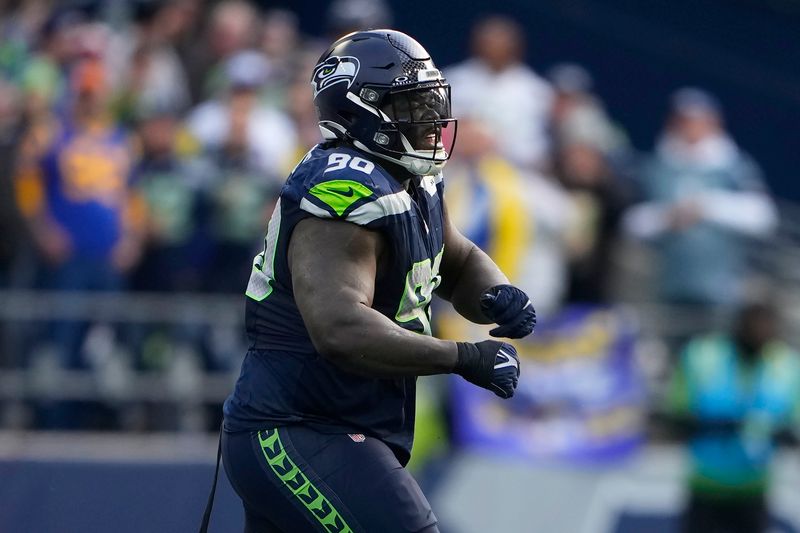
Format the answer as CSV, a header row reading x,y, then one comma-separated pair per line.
x,y
366,476
298,480
277,495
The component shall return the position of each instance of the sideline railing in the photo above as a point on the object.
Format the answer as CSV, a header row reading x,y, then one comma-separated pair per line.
x,y
187,384
163,308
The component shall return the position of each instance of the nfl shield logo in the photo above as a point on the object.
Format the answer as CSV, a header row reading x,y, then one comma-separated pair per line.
x,y
357,437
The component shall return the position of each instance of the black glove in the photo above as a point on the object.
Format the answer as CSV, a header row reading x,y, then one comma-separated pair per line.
x,y
510,309
492,365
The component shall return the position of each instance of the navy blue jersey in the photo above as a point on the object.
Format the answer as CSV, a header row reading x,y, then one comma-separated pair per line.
x,y
283,379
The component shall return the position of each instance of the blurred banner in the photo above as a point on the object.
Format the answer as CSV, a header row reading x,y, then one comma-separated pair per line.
x,y
580,395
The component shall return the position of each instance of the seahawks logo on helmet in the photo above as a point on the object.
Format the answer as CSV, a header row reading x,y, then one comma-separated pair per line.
x,y
335,69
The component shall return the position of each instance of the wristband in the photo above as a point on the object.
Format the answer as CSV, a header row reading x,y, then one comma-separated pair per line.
x,y
472,365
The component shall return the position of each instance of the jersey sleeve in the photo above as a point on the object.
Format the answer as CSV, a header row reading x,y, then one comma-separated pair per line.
x,y
357,193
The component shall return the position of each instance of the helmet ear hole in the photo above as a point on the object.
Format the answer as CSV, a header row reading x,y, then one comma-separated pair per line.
x,y
382,138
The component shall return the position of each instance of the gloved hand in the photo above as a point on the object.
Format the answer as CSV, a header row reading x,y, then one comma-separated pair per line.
x,y
489,364
510,309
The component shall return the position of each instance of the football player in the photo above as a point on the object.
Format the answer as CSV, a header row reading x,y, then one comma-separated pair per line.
x,y
320,425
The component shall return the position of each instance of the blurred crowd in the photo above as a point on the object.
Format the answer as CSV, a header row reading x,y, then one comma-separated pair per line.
x,y
144,143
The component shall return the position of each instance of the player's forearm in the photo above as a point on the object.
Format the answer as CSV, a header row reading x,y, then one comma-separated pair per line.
x,y
366,342
477,274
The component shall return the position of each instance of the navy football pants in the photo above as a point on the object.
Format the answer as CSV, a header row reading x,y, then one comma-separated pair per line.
x,y
295,480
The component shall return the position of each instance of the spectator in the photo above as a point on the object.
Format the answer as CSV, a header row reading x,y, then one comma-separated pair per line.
x,y
236,122
579,114
232,29
251,147
599,197
736,392
74,190
520,219
283,48
180,26
43,80
20,26
172,187
145,65
496,87
703,197
239,199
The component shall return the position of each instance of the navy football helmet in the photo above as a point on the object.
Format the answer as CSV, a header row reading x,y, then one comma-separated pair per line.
x,y
380,91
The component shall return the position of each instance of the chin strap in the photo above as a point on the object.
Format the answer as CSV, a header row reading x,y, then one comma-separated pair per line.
x,y
421,167
416,166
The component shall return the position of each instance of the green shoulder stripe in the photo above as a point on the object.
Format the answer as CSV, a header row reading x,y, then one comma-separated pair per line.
x,y
340,194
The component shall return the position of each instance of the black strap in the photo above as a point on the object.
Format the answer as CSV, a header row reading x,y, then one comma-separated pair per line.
x,y
210,503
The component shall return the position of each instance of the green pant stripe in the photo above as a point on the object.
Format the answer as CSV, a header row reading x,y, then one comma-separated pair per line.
x,y
299,485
